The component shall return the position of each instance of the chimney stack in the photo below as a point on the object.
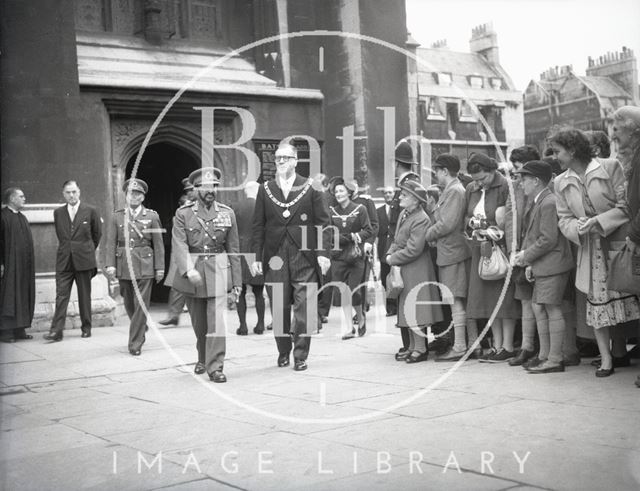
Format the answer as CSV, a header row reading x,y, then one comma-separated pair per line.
x,y
484,41
621,67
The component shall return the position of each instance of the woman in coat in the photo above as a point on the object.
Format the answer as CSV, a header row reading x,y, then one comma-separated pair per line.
x,y
626,133
352,222
485,195
409,251
593,214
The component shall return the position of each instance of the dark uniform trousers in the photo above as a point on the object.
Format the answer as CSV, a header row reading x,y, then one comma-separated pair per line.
x,y
207,319
64,282
135,311
176,303
295,271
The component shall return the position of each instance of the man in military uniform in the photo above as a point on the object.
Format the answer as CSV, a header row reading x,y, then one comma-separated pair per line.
x,y
136,231
176,299
204,232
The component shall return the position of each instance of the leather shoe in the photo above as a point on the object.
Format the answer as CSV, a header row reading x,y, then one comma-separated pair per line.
x,y
362,330
218,377
199,369
53,336
571,360
638,381
85,334
601,372
283,360
350,335
135,352
402,354
412,358
523,356
451,355
20,335
169,321
300,365
547,367
324,319
242,330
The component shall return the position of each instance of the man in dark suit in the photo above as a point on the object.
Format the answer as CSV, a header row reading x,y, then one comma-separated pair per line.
x,y
384,212
78,228
288,215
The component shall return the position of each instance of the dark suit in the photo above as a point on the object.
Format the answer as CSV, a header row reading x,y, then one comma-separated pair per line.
x,y
75,261
383,246
288,248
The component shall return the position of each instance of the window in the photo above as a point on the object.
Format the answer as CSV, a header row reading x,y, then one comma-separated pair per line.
x,y
435,108
496,83
444,79
466,113
475,81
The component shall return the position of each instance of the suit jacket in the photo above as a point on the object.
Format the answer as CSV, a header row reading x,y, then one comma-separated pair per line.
x,y
147,251
544,247
77,241
200,240
383,232
271,227
448,230
370,206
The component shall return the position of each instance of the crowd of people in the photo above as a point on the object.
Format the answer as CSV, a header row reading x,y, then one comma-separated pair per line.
x,y
528,247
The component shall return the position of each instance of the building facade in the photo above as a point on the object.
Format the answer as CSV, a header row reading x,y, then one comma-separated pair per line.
x,y
563,98
466,102
84,82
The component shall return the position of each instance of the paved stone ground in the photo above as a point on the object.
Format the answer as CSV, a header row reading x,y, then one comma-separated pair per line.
x,y
84,414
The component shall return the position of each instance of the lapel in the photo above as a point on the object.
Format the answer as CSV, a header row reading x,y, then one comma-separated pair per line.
x,y
534,210
77,219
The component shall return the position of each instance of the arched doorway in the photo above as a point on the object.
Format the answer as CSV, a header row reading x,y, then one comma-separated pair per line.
x,y
162,167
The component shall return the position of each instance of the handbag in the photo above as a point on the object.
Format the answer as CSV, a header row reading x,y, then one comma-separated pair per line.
x,y
494,267
624,272
352,254
395,285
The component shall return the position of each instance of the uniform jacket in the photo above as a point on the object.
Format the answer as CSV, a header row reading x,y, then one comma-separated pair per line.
x,y
145,244
353,219
605,187
370,206
200,239
448,230
271,227
77,241
544,247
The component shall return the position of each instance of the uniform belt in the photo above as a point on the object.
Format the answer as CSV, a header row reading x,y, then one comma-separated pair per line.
x,y
208,250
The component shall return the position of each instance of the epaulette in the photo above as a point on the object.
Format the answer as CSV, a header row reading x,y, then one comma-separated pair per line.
x,y
187,204
225,207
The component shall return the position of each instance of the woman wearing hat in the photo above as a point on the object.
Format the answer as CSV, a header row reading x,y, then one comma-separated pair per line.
x,y
593,214
486,197
410,251
352,222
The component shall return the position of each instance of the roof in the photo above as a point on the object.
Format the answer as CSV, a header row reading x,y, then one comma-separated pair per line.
x,y
461,65
604,86
109,61
454,62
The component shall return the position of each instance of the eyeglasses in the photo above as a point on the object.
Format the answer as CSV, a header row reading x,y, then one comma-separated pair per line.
x,y
284,158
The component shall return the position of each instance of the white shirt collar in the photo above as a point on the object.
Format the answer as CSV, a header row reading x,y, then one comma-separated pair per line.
x,y
535,200
286,184
73,207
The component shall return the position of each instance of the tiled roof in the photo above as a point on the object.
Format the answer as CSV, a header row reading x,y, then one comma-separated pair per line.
x,y
604,86
454,62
